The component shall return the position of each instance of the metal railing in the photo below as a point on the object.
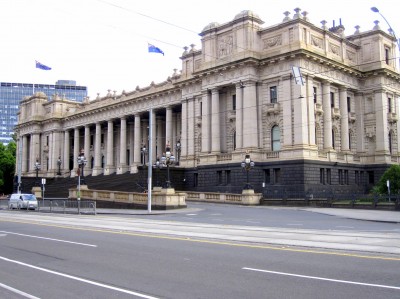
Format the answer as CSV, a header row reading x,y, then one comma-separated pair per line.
x,y
66,206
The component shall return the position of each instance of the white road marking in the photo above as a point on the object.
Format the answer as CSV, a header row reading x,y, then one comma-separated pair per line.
x,y
251,221
26,295
78,279
343,226
191,214
50,239
325,279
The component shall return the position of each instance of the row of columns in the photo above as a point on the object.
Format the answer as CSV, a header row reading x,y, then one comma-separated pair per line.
x,y
59,146
247,125
298,126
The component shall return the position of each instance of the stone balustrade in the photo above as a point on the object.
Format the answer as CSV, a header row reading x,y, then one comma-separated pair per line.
x,y
162,199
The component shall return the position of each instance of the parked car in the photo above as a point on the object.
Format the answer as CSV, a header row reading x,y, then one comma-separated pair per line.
x,y
22,201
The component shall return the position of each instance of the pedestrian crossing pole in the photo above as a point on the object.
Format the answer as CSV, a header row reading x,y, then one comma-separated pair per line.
x,y
150,168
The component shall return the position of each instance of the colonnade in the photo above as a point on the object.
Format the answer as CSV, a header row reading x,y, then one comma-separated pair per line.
x,y
114,145
111,146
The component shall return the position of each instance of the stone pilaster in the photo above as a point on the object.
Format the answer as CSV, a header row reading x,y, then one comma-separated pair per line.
x,y
326,106
205,123
344,121
239,115
215,122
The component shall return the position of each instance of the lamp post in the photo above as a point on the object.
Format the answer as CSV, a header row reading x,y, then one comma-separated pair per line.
x,y
374,9
59,166
247,164
157,166
178,151
37,168
144,151
167,159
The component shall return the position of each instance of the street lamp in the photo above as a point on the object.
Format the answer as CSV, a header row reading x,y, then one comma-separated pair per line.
x,y
37,168
374,9
178,150
81,164
144,151
247,164
167,159
59,166
157,166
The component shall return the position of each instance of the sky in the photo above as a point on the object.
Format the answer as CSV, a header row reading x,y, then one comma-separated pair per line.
x,y
102,44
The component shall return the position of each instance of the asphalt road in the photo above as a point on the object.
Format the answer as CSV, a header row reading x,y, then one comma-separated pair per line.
x,y
66,256
266,216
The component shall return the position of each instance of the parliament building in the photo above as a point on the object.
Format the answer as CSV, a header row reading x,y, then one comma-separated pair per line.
x,y
330,126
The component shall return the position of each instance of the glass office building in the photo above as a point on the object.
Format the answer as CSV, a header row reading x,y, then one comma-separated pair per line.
x,y
12,93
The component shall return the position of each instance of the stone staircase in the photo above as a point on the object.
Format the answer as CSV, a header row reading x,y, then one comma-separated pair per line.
x,y
59,187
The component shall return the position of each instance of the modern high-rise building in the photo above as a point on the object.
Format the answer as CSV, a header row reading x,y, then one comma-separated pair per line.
x,y
11,95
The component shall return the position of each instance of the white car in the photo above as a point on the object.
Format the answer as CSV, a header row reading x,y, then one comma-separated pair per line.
x,y
22,201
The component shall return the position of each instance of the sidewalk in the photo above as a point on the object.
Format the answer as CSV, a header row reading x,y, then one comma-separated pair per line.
x,y
359,214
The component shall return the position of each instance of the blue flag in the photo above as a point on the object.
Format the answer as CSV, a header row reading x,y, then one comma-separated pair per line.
x,y
42,66
154,49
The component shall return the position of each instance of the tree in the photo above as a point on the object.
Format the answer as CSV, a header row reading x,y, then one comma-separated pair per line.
x,y
7,167
393,175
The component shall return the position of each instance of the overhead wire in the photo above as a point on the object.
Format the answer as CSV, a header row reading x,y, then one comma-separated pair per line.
x,y
189,30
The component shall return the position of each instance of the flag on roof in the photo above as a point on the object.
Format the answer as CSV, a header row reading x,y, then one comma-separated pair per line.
x,y
154,49
42,66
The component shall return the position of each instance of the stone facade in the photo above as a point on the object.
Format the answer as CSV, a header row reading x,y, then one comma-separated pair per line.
x,y
237,95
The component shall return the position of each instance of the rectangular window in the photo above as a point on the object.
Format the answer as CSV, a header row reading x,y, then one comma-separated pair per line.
x,y
332,100
234,102
201,108
340,177
346,177
371,179
228,177
267,176
389,105
195,180
47,140
348,104
277,174
328,177
273,94
387,55
322,176
315,94
219,177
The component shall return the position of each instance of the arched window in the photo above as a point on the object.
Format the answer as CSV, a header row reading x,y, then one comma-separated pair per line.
x,y
275,139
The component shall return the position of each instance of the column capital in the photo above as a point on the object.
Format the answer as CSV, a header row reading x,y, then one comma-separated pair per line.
x,y
239,85
326,82
214,90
